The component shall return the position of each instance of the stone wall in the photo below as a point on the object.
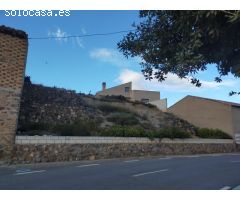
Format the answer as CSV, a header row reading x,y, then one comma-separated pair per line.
x,y
41,104
13,52
30,153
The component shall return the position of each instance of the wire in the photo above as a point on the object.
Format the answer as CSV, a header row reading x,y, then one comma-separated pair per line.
x,y
79,36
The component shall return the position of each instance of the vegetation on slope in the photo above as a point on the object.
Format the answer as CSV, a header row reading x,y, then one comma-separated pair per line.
x,y
54,111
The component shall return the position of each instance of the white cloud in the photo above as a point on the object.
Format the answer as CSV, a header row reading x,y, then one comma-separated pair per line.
x,y
112,57
83,30
59,34
172,83
79,42
102,53
107,55
61,37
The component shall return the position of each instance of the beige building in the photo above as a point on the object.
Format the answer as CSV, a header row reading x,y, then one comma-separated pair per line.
x,y
152,97
209,113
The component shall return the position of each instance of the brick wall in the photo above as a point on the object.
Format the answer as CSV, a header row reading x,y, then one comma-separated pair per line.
x,y
13,53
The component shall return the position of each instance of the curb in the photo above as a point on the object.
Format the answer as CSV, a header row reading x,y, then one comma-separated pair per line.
x,y
236,188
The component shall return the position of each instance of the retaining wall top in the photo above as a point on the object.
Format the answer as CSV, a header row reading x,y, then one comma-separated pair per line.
x,y
112,140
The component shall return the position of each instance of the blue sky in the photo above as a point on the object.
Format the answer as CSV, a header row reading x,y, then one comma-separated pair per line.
x,y
82,64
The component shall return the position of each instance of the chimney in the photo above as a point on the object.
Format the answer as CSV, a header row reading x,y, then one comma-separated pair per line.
x,y
103,86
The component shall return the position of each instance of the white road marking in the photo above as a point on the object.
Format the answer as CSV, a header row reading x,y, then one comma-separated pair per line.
x,y
235,154
153,172
235,161
87,165
166,158
194,156
23,170
215,155
128,161
30,172
222,154
225,188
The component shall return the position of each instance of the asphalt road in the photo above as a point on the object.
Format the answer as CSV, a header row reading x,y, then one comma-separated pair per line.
x,y
216,171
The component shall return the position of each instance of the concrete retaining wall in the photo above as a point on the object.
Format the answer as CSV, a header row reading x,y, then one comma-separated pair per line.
x,y
109,140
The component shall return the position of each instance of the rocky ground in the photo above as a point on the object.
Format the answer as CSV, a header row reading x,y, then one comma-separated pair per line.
x,y
42,105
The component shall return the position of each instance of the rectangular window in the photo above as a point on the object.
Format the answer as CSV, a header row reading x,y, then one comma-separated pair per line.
x,y
127,89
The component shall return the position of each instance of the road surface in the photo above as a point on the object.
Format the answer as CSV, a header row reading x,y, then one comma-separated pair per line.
x,y
215,171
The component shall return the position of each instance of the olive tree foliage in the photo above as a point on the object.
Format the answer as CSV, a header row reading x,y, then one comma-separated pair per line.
x,y
184,42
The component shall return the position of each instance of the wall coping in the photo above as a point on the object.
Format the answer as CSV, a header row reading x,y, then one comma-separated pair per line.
x,y
111,140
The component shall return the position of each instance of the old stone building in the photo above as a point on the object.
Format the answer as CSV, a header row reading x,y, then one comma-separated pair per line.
x,y
209,113
13,53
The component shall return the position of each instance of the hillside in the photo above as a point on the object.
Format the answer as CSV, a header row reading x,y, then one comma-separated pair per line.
x,y
50,110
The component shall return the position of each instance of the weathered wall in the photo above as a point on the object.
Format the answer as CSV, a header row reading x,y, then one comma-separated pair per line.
x,y
117,90
31,153
236,119
161,104
13,53
138,95
41,104
204,113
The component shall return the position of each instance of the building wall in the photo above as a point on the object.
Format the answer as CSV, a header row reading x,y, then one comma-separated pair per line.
x,y
13,52
204,113
161,104
118,90
138,95
236,119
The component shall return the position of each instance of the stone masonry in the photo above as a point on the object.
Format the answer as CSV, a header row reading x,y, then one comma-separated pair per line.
x,y
36,153
13,54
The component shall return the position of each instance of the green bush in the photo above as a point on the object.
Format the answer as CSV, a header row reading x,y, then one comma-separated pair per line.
x,y
172,132
136,131
78,128
147,125
169,132
212,133
114,98
81,127
123,119
142,103
123,131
